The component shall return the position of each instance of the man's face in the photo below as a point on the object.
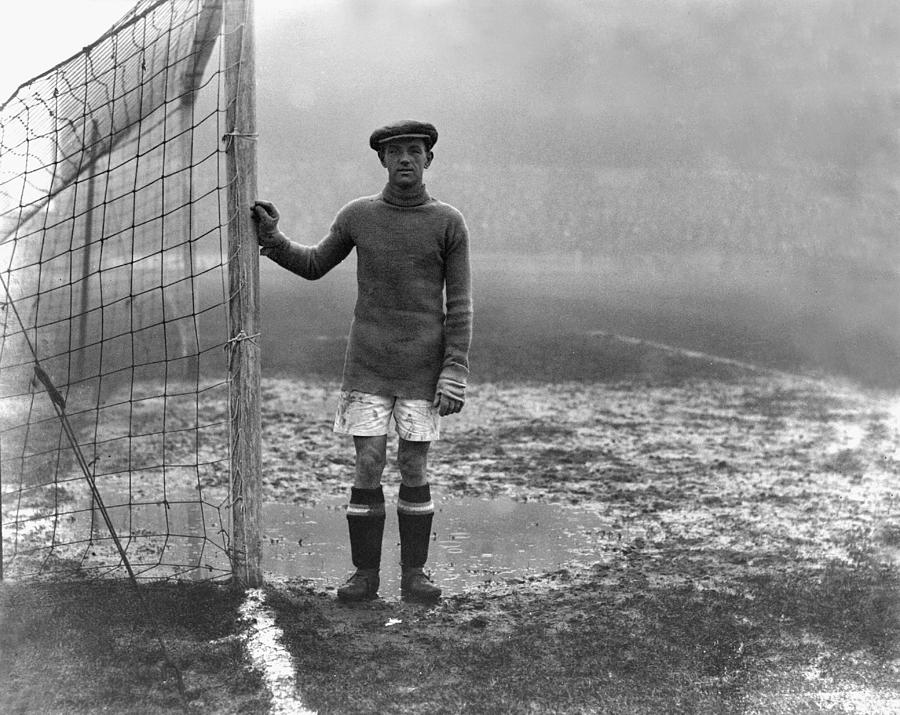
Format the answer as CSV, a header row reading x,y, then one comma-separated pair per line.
x,y
406,161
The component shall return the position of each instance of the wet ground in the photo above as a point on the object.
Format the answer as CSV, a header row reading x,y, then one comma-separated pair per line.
x,y
475,541
587,470
594,466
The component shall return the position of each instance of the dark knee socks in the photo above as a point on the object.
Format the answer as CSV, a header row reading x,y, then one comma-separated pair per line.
x,y
365,518
415,512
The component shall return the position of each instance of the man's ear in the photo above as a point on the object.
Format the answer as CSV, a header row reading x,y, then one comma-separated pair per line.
x,y
381,158
429,157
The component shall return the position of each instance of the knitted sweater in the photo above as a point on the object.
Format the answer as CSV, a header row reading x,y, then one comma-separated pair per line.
x,y
405,334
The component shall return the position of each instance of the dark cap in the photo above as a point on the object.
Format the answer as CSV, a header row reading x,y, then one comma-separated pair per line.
x,y
406,129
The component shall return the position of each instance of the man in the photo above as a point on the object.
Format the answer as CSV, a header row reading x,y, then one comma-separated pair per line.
x,y
407,355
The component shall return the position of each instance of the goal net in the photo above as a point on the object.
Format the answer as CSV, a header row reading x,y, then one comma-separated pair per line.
x,y
115,333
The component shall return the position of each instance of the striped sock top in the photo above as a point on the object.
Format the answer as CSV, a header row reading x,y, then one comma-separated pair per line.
x,y
366,502
415,501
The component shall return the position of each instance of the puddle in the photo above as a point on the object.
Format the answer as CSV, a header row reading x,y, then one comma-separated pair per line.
x,y
474,540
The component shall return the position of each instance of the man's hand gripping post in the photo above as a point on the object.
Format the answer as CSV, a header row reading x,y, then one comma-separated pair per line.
x,y
268,235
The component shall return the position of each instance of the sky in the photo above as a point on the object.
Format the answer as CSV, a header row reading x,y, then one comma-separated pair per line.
x,y
691,74
65,27
621,82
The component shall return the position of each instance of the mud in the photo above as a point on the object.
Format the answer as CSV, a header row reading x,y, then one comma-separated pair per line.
x,y
749,530
733,547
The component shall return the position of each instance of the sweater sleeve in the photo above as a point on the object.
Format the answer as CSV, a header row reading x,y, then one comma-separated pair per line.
x,y
313,262
458,320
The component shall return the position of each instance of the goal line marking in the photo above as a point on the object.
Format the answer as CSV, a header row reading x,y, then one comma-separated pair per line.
x,y
263,642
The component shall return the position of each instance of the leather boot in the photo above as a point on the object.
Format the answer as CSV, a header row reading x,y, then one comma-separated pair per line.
x,y
416,586
361,586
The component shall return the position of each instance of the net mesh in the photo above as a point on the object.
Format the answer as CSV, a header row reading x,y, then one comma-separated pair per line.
x,y
113,255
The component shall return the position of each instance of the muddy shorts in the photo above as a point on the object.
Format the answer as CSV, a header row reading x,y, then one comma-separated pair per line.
x,y
363,415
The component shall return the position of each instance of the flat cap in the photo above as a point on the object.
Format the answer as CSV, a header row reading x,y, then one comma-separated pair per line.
x,y
406,129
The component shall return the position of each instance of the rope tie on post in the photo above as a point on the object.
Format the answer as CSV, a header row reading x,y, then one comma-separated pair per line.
x,y
242,336
229,137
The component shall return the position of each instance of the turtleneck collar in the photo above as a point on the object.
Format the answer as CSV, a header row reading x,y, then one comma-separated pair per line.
x,y
412,197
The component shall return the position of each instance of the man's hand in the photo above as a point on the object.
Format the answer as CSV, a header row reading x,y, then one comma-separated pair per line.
x,y
449,395
266,217
446,405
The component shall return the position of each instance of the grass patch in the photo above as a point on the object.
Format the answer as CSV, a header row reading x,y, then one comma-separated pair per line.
x,y
606,640
80,647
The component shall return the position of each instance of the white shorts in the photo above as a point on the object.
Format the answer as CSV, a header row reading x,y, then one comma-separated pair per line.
x,y
363,415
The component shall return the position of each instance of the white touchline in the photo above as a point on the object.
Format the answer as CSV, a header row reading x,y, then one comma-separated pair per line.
x,y
262,639
696,354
